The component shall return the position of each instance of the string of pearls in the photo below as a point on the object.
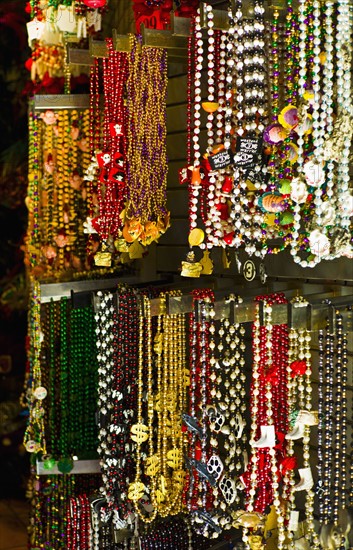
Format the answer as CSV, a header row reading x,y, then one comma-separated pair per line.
x,y
303,35
344,101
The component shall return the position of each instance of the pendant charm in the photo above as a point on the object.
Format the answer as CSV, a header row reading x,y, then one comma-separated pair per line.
x,y
228,488
192,424
190,268
206,263
215,467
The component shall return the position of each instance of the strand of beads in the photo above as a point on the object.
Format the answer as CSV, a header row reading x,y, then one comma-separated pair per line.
x,y
146,216
344,101
104,310
78,523
339,482
34,437
267,427
329,419
195,181
143,432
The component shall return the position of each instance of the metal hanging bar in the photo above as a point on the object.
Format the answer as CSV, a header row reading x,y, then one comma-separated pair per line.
x,y
79,467
61,101
76,56
98,48
122,42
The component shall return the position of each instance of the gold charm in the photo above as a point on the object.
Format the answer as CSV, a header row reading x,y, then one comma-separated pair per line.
x,y
136,491
157,402
242,518
173,458
186,377
225,259
152,465
196,237
121,245
190,268
159,496
171,403
139,433
255,542
158,344
103,259
136,251
206,263
168,427
163,485
179,476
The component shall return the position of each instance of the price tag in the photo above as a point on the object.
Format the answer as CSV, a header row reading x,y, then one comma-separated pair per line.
x,y
152,21
220,160
35,30
66,20
249,270
247,152
94,19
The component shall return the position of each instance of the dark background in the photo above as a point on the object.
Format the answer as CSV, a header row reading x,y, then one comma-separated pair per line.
x,y
13,301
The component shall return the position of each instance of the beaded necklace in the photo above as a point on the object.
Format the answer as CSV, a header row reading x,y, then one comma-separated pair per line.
x,y
104,337
141,432
340,436
82,381
198,489
301,410
34,437
268,424
56,198
145,215
229,407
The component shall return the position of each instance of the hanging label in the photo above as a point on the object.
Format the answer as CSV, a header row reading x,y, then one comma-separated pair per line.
x,y
66,19
152,21
35,30
263,274
220,160
94,19
247,151
249,270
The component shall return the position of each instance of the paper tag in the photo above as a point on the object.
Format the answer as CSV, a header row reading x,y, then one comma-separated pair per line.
x,y
66,19
152,21
94,19
50,34
247,151
220,160
35,30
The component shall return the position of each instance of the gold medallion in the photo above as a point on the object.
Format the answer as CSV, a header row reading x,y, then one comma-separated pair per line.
x,y
196,237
